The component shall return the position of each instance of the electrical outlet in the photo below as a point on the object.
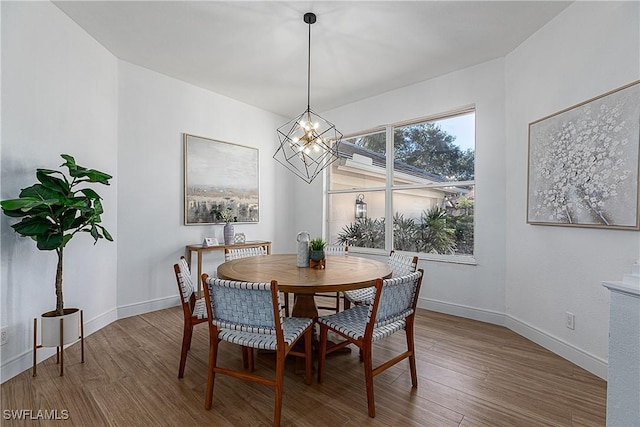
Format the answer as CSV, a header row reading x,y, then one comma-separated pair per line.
x,y
4,335
571,320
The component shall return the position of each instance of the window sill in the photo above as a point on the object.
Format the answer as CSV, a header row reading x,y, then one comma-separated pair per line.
x,y
452,259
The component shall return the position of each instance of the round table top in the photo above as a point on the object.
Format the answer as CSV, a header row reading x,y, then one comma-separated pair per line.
x,y
341,273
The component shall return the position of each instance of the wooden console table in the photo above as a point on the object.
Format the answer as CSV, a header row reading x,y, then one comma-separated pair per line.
x,y
200,249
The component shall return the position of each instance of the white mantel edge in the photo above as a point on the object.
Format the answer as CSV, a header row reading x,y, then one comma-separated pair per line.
x,y
625,288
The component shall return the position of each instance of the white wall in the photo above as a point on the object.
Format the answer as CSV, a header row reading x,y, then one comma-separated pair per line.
x,y
476,291
589,49
59,95
154,112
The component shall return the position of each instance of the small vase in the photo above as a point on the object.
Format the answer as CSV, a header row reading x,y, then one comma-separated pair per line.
x,y
228,234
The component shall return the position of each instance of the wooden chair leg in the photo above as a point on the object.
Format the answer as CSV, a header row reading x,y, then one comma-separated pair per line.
x,y
286,304
308,354
189,337
368,378
186,341
337,302
211,377
411,348
347,303
280,358
322,351
247,358
250,359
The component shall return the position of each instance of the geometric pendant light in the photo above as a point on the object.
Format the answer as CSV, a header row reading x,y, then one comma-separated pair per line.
x,y
308,142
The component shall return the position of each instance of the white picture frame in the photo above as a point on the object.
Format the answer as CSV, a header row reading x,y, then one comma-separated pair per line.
x,y
220,176
583,164
210,241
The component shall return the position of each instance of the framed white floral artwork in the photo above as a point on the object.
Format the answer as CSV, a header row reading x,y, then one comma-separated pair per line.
x,y
584,163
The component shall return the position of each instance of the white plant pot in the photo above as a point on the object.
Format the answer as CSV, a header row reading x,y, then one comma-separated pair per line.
x,y
50,327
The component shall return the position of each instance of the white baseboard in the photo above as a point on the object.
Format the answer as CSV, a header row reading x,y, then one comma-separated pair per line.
x,y
148,306
585,360
24,361
487,316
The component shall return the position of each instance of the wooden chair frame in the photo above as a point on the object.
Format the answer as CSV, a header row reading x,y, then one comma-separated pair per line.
x,y
365,344
190,320
282,350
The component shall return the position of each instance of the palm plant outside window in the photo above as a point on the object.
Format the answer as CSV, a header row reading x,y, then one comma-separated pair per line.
x,y
419,174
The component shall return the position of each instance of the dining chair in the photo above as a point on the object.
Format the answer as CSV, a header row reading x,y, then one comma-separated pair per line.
x,y
401,265
333,250
193,309
237,253
393,309
250,315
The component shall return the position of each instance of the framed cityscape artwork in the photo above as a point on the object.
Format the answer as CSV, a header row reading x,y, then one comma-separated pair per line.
x,y
583,163
221,182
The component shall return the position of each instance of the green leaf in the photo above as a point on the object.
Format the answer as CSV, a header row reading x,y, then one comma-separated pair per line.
x,y
90,193
69,159
51,182
66,239
67,219
27,206
78,221
70,162
49,242
94,233
97,205
76,202
34,226
18,204
106,234
97,176
40,192
77,172
15,213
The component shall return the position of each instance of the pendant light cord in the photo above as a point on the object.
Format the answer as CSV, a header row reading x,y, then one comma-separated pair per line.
x,y
309,71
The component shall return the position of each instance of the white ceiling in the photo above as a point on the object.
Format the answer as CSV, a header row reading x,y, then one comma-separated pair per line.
x,y
256,52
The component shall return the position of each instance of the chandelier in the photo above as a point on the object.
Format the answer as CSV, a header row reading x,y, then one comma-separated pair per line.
x,y
308,142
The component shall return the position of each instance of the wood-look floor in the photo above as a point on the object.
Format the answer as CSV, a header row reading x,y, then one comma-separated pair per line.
x,y
470,374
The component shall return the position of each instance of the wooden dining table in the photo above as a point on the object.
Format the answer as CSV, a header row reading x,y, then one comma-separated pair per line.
x,y
341,273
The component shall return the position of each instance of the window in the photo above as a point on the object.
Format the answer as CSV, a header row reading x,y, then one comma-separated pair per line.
x,y
419,174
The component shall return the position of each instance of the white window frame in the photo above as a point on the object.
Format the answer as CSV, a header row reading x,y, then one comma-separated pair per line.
x,y
389,188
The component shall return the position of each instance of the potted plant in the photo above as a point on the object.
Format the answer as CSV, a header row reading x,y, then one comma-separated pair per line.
x,y
316,249
53,211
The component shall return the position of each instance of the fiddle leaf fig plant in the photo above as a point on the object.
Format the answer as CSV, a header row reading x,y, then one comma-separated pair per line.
x,y
58,207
